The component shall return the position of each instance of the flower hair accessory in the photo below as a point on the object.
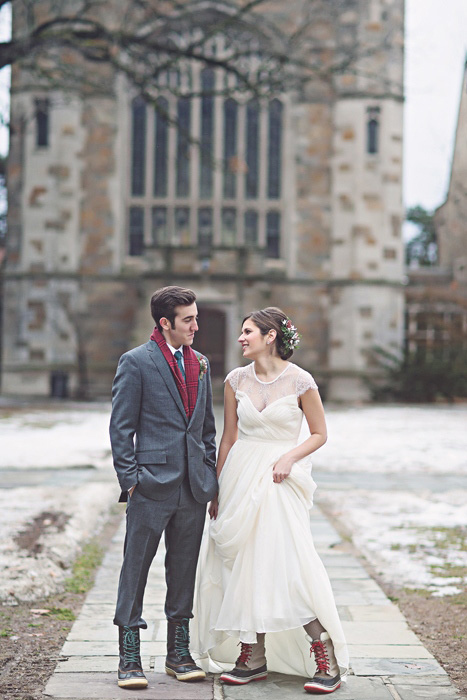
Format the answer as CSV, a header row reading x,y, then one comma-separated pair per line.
x,y
290,335
203,366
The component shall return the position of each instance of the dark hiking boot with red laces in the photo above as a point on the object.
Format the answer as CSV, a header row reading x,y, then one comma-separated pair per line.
x,y
130,669
327,678
250,665
178,662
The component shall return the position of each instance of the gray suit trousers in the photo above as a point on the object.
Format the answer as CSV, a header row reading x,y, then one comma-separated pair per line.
x,y
182,518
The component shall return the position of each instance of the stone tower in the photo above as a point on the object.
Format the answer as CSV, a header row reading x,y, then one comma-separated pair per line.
x,y
108,202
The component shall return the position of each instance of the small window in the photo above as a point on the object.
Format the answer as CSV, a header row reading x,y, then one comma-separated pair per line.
x,y
159,226
251,228
182,226
136,232
372,127
205,231
229,226
273,234
42,122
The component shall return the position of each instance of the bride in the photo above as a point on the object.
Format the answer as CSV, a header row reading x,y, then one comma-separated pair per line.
x,y
259,573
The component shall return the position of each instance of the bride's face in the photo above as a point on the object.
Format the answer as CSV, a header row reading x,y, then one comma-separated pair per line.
x,y
251,339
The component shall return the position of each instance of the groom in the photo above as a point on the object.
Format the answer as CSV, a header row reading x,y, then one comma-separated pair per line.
x,y
162,397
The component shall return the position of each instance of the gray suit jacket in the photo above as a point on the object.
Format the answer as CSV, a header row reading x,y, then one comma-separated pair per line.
x,y
153,443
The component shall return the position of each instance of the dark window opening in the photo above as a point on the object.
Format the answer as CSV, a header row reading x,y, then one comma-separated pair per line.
x,y
42,122
59,384
207,133
205,231
251,228
136,231
183,147
273,234
252,150
159,226
138,147
161,148
230,149
372,130
274,149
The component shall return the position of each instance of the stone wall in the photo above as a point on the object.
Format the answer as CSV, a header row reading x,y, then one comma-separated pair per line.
x,y
74,298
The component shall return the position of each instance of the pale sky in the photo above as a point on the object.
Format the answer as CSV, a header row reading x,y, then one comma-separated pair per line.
x,y
436,49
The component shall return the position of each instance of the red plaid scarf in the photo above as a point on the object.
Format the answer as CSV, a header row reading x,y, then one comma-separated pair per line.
x,y
188,389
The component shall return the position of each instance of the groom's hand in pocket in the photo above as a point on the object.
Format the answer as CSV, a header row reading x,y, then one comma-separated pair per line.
x,y
213,508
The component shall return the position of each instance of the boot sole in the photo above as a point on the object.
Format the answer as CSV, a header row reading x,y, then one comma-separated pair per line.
x,y
190,676
233,680
133,683
319,689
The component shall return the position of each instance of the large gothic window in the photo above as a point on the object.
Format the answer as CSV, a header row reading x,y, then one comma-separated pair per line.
x,y
207,170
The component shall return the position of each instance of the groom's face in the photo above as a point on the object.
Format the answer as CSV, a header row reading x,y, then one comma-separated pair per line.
x,y
185,326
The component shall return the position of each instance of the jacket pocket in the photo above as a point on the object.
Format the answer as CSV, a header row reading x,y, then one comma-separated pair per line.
x,y
151,457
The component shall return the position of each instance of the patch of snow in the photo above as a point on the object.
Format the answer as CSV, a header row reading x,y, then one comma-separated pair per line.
x,y
55,439
26,576
409,538
395,439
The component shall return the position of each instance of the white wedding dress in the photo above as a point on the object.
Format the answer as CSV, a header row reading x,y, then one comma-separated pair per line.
x,y
258,569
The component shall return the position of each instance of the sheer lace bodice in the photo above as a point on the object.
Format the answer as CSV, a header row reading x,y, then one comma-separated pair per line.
x,y
269,411
293,381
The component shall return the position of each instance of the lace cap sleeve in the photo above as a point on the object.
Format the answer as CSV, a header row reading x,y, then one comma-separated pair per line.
x,y
232,378
304,382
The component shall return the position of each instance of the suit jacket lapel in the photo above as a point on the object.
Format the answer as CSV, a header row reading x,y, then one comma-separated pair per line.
x,y
161,364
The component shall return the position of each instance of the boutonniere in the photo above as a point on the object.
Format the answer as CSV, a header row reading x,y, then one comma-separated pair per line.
x,y
203,366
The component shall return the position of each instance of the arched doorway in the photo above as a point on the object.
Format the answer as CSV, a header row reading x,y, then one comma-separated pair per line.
x,y
210,338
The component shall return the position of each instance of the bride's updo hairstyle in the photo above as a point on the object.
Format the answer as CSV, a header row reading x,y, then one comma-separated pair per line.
x,y
268,319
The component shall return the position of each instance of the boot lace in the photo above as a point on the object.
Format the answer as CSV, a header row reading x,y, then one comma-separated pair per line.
x,y
321,656
130,645
182,639
245,653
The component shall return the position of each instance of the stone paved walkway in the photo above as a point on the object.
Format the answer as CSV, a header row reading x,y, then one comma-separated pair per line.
x,y
388,660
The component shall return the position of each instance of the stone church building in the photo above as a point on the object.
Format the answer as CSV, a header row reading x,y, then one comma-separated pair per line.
x,y
297,204
436,296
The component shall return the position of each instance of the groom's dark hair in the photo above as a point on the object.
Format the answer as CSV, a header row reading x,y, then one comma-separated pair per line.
x,y
164,301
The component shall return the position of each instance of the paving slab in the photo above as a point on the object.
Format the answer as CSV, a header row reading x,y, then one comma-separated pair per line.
x,y
108,648
389,651
417,692
357,597
375,613
336,572
434,680
93,664
103,686
279,687
377,633
376,666
105,630
362,585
